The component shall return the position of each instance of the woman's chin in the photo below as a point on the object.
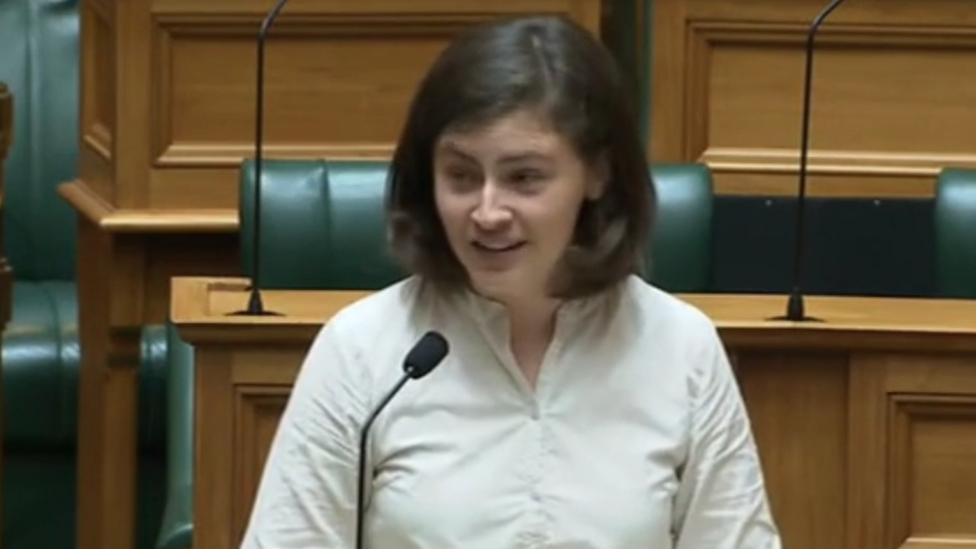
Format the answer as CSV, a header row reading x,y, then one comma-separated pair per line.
x,y
493,290
499,286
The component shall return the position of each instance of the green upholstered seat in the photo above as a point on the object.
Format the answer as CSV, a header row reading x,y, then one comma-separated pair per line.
x,y
681,252
955,233
40,345
40,400
39,62
176,357
40,355
323,225
6,138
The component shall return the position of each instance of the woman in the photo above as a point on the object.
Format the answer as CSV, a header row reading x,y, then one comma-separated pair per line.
x,y
579,407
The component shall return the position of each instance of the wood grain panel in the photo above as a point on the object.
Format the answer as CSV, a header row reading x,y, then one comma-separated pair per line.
x,y
168,86
333,88
245,393
935,446
931,423
258,411
892,88
864,102
97,104
798,407
98,69
170,255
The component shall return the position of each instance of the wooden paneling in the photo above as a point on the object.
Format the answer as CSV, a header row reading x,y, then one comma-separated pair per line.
x,y
865,422
168,88
866,449
798,404
892,92
123,281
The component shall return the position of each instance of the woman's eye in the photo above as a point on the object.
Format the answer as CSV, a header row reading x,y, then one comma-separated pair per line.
x,y
526,177
460,177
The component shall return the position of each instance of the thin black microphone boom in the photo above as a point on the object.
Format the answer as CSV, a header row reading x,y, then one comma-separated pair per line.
x,y
795,308
425,355
255,304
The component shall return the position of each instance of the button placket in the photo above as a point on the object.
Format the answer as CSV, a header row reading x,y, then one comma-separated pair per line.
x,y
542,454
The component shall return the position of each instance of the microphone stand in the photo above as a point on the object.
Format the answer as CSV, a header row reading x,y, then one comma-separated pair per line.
x,y
795,307
425,355
255,303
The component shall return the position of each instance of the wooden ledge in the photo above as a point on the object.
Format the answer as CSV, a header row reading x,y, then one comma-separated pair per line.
x,y
98,211
204,307
202,300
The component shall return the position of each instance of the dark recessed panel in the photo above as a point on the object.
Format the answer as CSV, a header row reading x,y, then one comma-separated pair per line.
x,y
854,247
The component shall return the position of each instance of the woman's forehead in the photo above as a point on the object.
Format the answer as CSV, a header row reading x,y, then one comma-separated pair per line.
x,y
519,135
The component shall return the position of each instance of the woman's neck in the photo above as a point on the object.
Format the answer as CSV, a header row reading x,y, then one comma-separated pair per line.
x,y
532,317
531,330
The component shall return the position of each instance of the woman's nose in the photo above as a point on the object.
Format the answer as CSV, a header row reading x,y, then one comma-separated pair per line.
x,y
490,212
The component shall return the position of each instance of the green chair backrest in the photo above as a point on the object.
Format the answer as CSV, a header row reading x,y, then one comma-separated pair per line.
x,y
39,62
955,233
323,225
680,254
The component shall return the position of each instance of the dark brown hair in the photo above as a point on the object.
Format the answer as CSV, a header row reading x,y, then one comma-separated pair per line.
x,y
556,67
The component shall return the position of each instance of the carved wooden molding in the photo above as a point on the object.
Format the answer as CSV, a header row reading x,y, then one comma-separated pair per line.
x,y
853,141
888,105
168,91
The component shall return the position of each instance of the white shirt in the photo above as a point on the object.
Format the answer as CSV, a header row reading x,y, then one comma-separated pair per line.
x,y
635,437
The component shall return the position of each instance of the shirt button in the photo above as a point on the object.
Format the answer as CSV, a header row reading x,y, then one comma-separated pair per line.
x,y
535,411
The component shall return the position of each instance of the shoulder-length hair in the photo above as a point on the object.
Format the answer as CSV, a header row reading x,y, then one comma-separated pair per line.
x,y
556,67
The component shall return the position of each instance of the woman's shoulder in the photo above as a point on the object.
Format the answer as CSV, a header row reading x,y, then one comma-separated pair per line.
x,y
678,337
683,336
377,311
664,313
376,330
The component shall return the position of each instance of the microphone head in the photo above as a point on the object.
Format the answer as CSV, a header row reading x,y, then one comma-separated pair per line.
x,y
426,355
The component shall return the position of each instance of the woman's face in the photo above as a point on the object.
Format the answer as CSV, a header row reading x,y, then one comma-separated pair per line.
x,y
508,194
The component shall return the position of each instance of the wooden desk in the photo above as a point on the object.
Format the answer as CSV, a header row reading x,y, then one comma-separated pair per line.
x,y
6,273
866,422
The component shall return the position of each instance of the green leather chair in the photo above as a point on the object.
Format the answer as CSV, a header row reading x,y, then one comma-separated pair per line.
x,y
39,41
176,531
322,225
6,139
955,233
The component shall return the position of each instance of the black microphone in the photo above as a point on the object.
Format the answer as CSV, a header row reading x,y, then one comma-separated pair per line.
x,y
426,355
795,309
255,305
